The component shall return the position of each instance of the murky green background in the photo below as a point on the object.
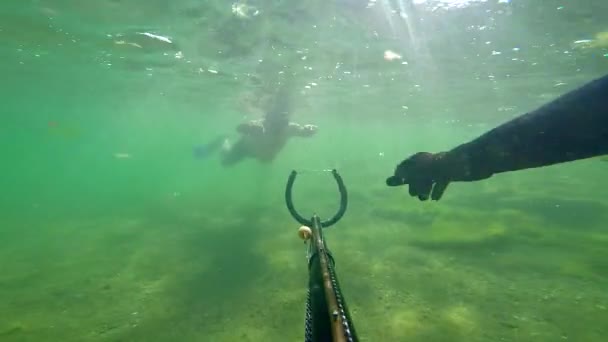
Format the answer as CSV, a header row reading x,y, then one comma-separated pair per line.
x,y
110,230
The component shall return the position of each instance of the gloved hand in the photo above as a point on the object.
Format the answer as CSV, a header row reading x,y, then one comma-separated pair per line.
x,y
426,173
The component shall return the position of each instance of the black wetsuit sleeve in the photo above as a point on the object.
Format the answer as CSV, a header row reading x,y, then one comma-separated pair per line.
x,y
573,126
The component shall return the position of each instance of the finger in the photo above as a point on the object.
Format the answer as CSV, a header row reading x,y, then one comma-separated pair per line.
x,y
438,190
395,181
421,188
424,189
412,189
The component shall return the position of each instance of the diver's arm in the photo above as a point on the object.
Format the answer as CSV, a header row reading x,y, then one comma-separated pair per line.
x,y
298,130
572,127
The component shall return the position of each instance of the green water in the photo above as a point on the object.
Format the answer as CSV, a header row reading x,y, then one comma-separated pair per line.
x,y
110,230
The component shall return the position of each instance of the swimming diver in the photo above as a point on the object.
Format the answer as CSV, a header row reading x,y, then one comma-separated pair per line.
x,y
264,138
571,127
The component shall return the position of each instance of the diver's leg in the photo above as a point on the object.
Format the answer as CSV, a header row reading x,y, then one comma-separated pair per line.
x,y
234,154
206,150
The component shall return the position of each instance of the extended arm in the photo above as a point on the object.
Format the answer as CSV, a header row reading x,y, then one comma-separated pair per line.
x,y
574,126
298,130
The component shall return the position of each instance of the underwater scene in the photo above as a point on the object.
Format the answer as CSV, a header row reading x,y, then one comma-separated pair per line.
x,y
142,200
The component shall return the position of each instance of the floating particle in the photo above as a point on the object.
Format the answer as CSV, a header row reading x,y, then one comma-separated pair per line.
x,y
391,55
244,11
122,155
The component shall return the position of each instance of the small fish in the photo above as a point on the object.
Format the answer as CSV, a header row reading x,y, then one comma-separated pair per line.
x,y
599,41
122,42
156,36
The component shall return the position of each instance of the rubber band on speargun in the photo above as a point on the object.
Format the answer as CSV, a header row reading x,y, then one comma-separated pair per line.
x,y
306,222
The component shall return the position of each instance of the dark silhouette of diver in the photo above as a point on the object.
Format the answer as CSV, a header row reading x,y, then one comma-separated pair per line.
x,y
571,127
261,139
